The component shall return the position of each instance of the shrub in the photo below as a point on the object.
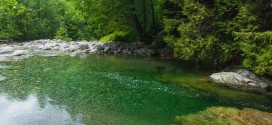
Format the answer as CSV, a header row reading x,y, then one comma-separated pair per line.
x,y
62,34
116,36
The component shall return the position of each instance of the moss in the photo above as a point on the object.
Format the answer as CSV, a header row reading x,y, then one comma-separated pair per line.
x,y
116,36
226,116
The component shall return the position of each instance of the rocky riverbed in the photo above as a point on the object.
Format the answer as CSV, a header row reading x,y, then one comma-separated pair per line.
x,y
17,51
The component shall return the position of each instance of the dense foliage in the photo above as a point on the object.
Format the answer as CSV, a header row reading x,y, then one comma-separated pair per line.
x,y
216,32
221,31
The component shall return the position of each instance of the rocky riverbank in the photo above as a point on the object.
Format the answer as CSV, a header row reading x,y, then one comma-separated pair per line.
x,y
16,51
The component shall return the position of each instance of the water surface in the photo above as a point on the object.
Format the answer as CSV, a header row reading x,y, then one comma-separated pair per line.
x,y
109,90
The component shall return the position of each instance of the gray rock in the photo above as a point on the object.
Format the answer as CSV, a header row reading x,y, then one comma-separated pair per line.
x,y
256,81
241,79
85,51
7,49
47,46
106,49
83,46
64,47
4,67
20,52
99,48
2,78
74,54
73,48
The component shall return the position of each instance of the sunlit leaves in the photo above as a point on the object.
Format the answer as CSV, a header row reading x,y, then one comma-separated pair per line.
x,y
257,49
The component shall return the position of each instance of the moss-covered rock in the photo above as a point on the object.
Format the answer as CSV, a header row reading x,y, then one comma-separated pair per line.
x,y
226,116
201,83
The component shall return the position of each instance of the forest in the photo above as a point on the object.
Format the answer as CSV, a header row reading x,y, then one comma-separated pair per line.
x,y
212,32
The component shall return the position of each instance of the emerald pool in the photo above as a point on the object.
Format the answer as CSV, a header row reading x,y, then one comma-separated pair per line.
x,y
110,90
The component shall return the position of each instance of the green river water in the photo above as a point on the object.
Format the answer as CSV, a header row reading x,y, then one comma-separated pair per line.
x,y
110,90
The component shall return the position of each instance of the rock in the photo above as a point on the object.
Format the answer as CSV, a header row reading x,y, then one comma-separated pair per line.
x,y
242,79
63,47
73,48
20,52
47,46
85,51
256,81
83,46
40,46
2,78
99,48
93,49
7,49
144,52
106,49
74,54
4,67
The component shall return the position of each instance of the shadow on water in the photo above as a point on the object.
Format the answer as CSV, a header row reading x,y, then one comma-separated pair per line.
x,y
116,90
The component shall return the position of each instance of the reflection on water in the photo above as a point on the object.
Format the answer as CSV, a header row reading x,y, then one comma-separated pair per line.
x,y
29,112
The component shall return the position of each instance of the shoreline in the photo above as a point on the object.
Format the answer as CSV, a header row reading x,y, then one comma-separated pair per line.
x,y
46,47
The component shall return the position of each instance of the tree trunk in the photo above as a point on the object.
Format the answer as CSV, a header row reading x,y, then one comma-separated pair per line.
x,y
138,25
144,13
153,16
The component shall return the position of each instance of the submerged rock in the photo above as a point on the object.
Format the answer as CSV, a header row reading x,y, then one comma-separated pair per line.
x,y
4,67
226,116
242,79
2,78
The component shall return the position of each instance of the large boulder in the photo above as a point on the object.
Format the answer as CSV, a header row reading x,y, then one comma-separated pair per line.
x,y
242,79
20,52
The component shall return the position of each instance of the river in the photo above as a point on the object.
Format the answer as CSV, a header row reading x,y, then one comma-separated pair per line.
x,y
110,90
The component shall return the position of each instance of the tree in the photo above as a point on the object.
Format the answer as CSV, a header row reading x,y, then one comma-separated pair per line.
x,y
221,32
192,33
9,10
